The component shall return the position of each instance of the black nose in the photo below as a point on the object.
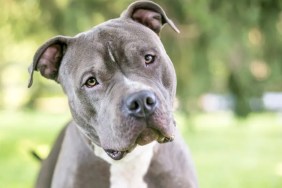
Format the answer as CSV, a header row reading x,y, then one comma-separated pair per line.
x,y
141,104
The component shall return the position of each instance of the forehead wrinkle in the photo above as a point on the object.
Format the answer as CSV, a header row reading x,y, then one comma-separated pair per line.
x,y
110,52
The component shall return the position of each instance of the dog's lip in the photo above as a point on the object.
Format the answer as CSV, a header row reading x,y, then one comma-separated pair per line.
x,y
149,135
164,139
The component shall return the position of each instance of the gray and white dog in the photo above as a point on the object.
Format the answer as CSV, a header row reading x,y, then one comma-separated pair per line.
x,y
121,86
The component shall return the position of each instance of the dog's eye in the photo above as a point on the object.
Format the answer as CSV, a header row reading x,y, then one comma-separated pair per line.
x,y
149,59
91,82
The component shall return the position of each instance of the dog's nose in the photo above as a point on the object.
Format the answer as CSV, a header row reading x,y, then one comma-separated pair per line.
x,y
141,104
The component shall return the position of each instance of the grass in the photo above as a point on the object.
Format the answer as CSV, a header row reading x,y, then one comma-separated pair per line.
x,y
236,153
228,152
21,132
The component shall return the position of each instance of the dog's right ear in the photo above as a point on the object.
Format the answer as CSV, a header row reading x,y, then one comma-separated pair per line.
x,y
148,14
48,58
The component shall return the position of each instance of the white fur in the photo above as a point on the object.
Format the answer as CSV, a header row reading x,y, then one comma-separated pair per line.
x,y
129,171
134,85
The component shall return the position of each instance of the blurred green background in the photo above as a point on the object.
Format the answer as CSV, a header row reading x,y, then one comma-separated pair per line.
x,y
229,98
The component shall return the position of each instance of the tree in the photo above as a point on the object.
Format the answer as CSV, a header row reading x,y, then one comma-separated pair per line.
x,y
225,47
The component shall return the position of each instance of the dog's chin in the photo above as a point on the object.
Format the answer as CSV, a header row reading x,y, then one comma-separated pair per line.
x,y
147,136
114,154
119,154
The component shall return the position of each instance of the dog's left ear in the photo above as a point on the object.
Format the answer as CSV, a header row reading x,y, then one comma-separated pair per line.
x,y
148,14
48,57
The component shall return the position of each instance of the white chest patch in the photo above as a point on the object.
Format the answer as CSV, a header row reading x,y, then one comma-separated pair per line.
x,y
129,171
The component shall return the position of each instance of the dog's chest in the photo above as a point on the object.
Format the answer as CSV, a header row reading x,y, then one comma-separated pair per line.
x,y
130,171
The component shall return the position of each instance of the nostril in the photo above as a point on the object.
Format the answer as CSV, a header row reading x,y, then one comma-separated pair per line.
x,y
133,105
150,101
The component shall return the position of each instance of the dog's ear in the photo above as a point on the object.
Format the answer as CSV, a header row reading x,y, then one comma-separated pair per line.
x,y
149,14
48,58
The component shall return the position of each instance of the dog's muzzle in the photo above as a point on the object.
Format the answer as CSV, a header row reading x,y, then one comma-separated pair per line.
x,y
140,106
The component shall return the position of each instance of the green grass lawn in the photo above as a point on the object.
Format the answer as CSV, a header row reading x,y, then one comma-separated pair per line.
x,y
228,152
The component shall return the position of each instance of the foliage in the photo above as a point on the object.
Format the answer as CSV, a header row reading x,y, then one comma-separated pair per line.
x,y
229,46
225,47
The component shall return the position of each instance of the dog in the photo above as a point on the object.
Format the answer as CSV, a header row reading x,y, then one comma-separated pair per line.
x,y
121,86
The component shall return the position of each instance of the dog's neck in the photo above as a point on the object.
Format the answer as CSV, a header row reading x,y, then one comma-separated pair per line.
x,y
129,171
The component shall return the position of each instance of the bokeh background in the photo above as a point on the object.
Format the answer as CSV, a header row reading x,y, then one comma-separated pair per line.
x,y
228,59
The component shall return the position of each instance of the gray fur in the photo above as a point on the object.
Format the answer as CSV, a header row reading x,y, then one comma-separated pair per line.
x,y
113,52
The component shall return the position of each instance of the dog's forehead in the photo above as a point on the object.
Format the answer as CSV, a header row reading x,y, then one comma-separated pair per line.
x,y
119,32
120,35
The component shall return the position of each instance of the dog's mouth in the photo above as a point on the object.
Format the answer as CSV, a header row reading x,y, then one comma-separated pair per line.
x,y
146,137
114,154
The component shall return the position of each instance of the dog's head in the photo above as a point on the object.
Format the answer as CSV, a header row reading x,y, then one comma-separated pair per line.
x,y
118,78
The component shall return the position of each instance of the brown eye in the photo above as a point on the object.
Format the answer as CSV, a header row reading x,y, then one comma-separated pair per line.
x,y
91,82
149,59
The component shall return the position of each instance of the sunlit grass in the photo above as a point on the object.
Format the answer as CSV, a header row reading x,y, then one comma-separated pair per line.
x,y
228,152
236,153
21,132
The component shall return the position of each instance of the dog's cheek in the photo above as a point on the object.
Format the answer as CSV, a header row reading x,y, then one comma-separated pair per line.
x,y
78,117
83,115
85,121
103,125
121,132
163,121
169,78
